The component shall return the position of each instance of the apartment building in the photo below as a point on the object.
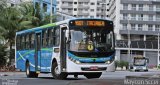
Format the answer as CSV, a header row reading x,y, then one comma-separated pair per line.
x,y
137,25
83,8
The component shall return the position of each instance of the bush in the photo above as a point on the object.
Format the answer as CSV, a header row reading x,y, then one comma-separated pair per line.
x,y
126,64
121,64
117,63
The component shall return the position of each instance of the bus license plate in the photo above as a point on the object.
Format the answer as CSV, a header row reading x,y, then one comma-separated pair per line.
x,y
93,68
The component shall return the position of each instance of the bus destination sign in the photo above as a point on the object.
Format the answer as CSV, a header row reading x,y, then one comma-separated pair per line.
x,y
89,23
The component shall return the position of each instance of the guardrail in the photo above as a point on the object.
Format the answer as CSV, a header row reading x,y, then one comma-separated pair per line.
x,y
137,44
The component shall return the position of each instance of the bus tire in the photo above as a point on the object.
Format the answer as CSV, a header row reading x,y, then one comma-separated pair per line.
x,y
55,72
30,74
93,75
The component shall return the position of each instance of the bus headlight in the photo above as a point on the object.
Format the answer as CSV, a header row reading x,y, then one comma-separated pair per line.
x,y
108,62
75,61
78,62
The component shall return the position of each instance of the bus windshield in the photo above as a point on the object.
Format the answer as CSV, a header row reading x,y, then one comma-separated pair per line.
x,y
91,40
139,62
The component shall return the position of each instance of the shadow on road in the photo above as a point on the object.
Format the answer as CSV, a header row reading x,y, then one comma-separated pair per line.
x,y
64,79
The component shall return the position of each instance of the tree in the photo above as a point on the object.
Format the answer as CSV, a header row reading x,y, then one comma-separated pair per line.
x,y
17,18
2,55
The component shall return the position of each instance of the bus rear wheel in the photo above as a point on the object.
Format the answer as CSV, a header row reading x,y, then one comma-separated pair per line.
x,y
93,75
30,74
56,74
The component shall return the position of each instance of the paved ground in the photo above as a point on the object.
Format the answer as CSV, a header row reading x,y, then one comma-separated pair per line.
x,y
108,78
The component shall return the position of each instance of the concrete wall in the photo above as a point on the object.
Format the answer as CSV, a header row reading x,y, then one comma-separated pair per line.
x,y
152,57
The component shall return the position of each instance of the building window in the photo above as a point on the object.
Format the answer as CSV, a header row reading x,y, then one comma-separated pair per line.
x,y
133,6
91,16
75,9
124,26
125,6
133,27
85,3
92,10
151,8
133,16
57,2
53,10
75,2
150,17
140,27
140,7
140,17
92,3
157,17
12,4
150,27
157,28
125,16
157,7
45,7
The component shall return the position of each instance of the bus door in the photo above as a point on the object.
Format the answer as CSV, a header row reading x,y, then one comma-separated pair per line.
x,y
38,52
63,48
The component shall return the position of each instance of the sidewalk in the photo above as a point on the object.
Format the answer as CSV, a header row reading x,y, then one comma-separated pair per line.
x,y
152,75
11,73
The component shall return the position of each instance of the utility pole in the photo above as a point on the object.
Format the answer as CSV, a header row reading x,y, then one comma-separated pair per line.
x,y
51,13
129,40
158,52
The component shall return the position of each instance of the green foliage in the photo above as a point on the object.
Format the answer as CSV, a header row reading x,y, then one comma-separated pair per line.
x,y
126,64
159,66
23,16
121,64
2,55
117,64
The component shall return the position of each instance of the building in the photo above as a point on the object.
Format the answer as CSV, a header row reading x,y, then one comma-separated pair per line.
x,y
16,2
137,24
83,8
46,5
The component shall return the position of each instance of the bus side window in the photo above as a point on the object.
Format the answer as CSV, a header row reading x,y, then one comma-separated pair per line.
x,y
56,36
20,46
44,38
23,42
18,42
30,35
27,41
50,37
32,41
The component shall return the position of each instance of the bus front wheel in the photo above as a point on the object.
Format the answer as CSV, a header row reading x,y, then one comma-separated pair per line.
x,y
29,73
56,74
93,75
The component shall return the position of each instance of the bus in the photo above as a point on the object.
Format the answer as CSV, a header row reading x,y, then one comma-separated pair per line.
x,y
140,63
70,47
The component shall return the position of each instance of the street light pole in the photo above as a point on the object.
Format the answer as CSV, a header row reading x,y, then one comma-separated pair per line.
x,y
51,13
158,52
129,40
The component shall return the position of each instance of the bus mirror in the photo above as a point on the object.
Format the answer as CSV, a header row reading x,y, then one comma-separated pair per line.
x,y
67,36
147,60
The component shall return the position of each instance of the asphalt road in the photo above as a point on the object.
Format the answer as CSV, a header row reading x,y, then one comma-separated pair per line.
x,y
108,78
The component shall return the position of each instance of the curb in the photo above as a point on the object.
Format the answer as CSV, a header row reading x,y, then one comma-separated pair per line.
x,y
151,77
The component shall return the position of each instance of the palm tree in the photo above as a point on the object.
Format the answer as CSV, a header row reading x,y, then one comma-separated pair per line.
x,y
35,14
17,18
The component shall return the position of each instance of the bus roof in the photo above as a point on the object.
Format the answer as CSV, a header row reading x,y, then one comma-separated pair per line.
x,y
53,25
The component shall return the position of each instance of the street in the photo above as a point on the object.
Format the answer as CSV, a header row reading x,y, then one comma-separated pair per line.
x,y
107,78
